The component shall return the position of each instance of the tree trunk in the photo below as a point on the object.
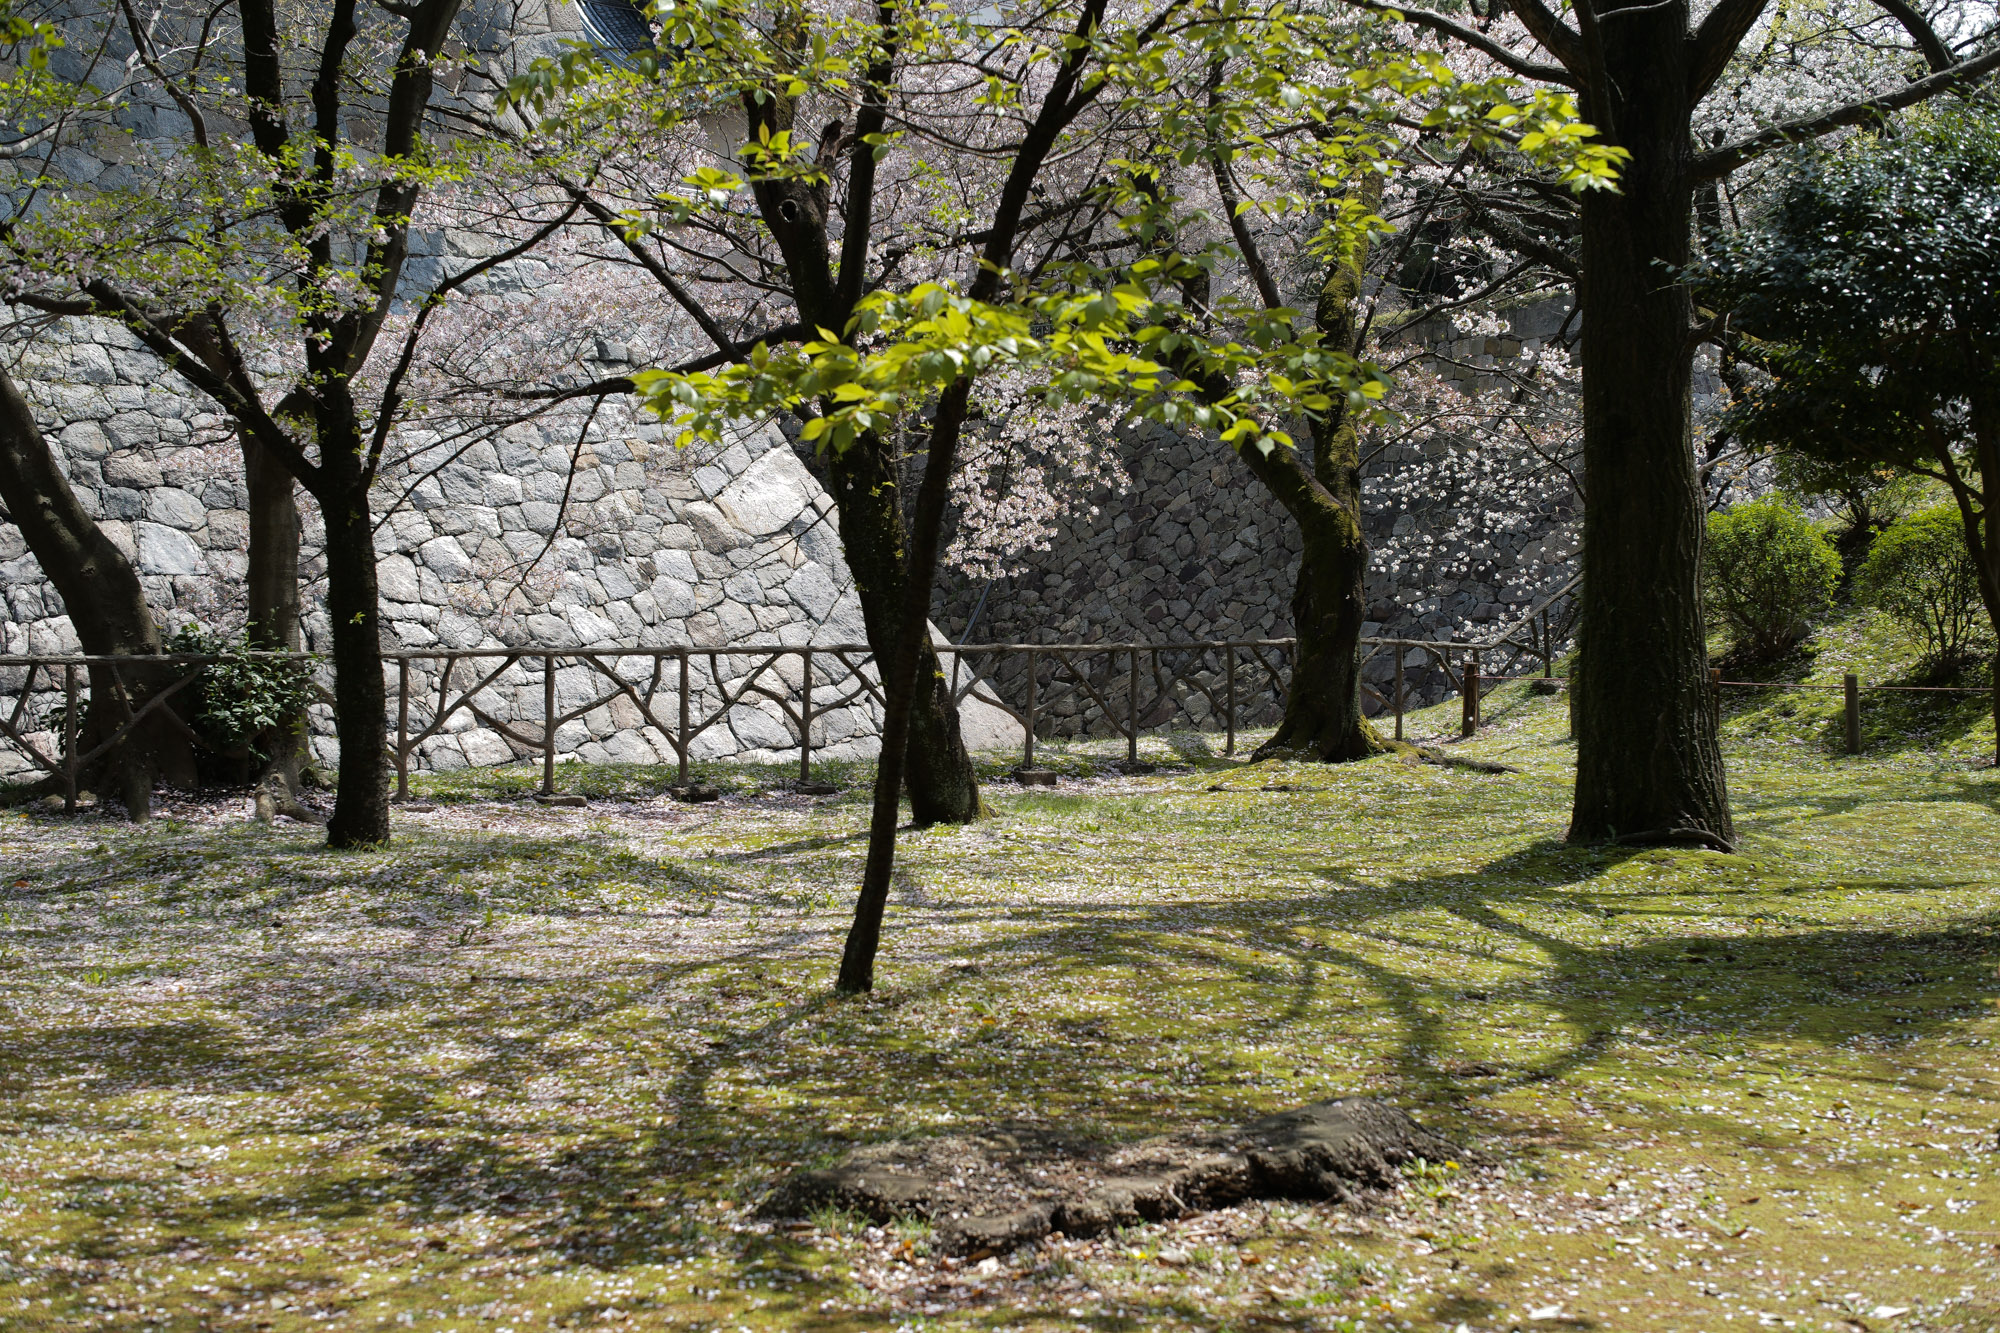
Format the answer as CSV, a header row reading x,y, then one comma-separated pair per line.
x,y
1323,715
361,701
272,594
1648,759
938,772
903,688
106,606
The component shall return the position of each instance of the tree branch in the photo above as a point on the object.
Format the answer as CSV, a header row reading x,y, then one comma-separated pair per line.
x,y
1477,40
1714,43
1727,158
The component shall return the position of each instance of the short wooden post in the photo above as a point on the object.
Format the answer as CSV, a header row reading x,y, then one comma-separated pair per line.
x,y
69,737
682,748
402,728
1132,705
549,725
1851,686
806,719
1548,648
1400,650
1229,710
1028,740
1715,692
1469,688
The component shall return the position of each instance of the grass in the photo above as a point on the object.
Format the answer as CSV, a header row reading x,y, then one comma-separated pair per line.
x,y
533,1068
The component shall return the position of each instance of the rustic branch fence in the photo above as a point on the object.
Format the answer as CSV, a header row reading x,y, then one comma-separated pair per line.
x,y
676,695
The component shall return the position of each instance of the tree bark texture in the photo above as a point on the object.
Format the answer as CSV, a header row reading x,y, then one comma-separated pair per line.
x,y
106,606
272,594
1648,759
902,686
1323,716
939,776
361,700
938,771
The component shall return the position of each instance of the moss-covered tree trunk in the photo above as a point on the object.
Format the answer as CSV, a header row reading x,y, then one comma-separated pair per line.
x,y
106,607
1648,760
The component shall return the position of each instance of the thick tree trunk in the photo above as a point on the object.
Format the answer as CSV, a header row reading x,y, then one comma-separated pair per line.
x,y
272,594
361,701
1323,715
106,606
939,776
1648,760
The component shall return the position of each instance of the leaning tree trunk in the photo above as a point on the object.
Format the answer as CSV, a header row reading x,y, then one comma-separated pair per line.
x,y
106,606
939,776
272,594
1648,761
360,700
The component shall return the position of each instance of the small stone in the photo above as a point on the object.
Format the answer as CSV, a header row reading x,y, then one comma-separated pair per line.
x,y
695,793
569,802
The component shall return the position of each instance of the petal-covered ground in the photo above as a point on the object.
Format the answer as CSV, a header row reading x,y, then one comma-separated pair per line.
x,y
535,1067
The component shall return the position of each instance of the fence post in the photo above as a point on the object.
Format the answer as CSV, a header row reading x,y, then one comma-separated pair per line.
x,y
682,748
1028,741
69,738
1715,692
402,728
806,719
1851,686
1229,658
1132,705
1400,650
1469,688
548,724
1548,647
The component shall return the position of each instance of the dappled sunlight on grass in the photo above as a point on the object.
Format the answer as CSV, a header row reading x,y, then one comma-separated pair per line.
x,y
535,1066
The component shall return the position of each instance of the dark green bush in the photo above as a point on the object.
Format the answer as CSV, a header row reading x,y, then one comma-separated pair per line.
x,y
1767,570
242,701
1920,573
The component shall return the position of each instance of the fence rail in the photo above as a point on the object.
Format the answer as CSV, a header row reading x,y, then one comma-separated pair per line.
x,y
540,702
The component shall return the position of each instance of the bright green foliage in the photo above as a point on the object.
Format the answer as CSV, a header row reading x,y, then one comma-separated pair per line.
x,y
1920,572
1873,288
244,696
1767,570
1195,81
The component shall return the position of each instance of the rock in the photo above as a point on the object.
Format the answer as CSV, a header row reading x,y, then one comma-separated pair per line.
x,y
1009,1186
164,550
568,802
695,793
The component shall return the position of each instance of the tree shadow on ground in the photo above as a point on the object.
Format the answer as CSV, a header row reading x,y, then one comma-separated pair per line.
x,y
619,1191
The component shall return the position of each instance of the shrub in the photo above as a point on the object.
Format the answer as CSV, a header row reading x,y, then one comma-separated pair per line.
x,y
242,699
1767,571
1921,573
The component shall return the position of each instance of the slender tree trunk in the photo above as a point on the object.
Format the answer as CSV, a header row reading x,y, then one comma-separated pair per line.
x,y
272,593
938,771
1648,760
902,689
361,701
106,606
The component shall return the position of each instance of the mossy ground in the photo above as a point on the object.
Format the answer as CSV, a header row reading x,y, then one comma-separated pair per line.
x,y
533,1067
